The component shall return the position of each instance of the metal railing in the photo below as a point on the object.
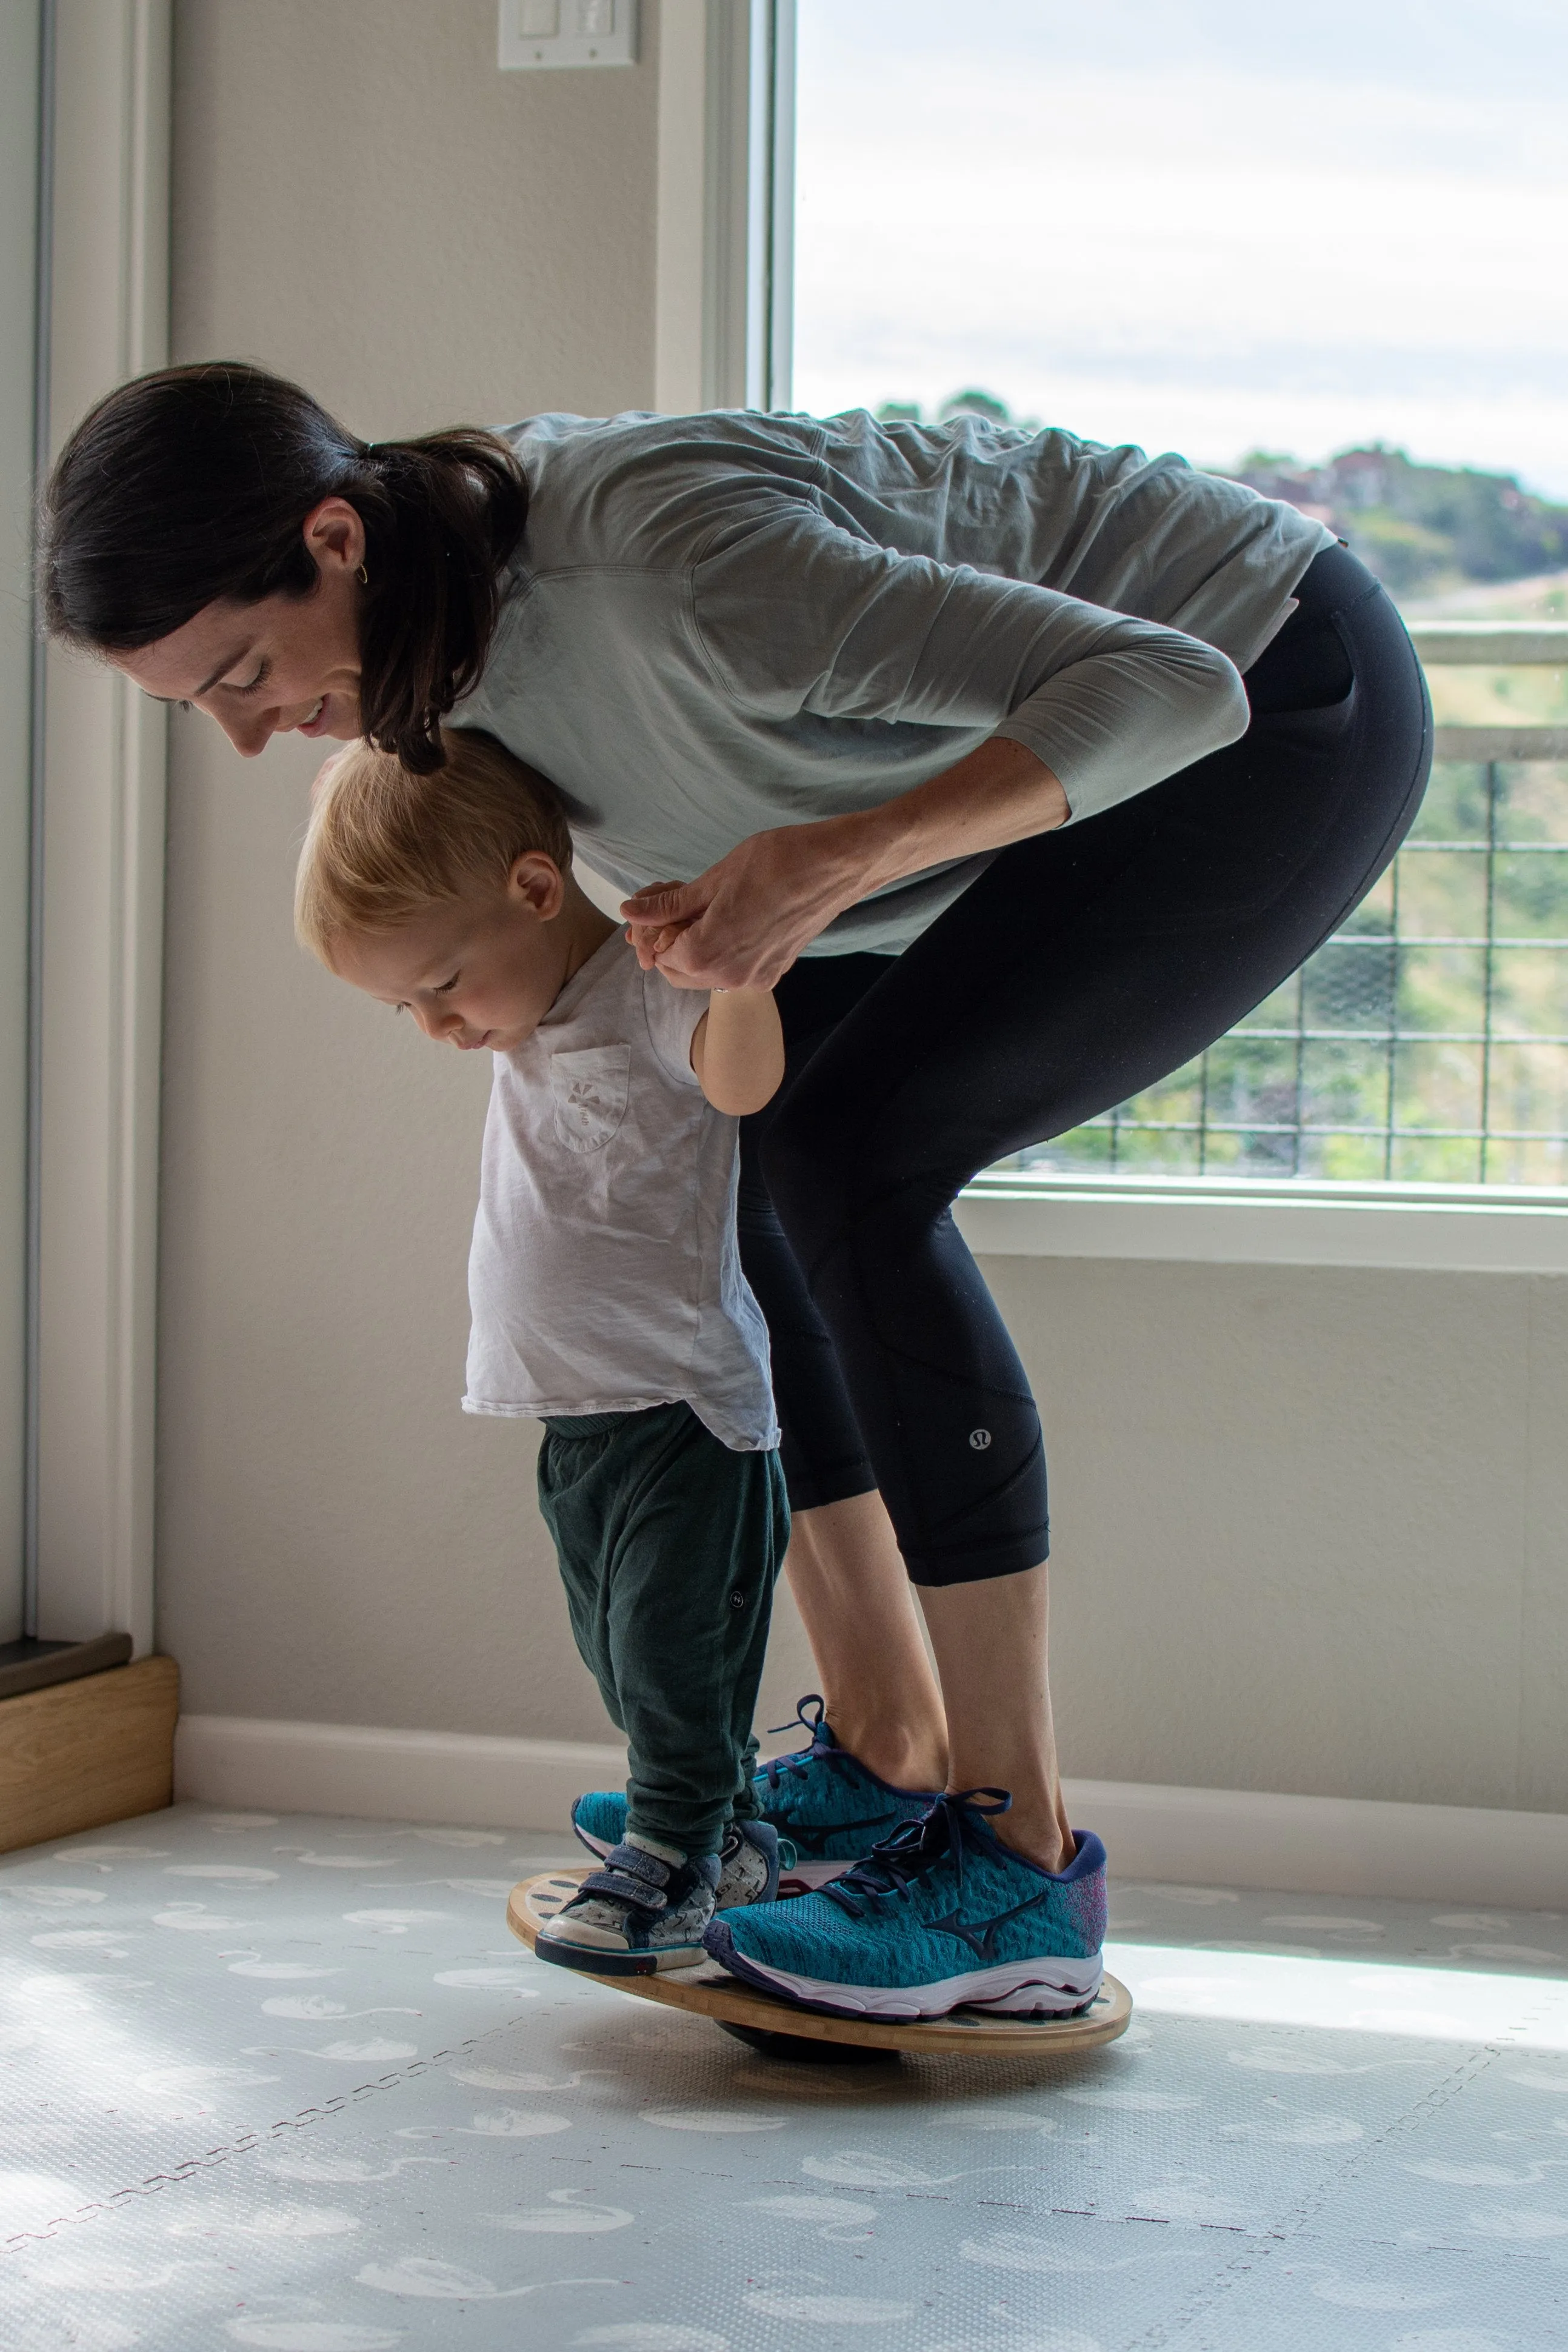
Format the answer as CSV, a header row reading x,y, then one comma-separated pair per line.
x,y
1427,1039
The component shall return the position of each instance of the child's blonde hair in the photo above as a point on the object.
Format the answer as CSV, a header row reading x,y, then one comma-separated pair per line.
x,y
383,844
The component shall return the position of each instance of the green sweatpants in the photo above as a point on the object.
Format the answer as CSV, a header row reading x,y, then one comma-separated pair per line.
x,y
669,1546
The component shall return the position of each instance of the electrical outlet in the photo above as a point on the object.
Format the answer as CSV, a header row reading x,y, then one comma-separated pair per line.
x,y
538,34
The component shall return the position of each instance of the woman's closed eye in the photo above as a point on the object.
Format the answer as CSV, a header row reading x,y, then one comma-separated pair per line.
x,y
252,686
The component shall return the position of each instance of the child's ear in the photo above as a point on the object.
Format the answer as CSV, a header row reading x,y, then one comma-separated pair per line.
x,y
537,883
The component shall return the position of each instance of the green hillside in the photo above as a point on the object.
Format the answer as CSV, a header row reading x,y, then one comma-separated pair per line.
x,y
1421,526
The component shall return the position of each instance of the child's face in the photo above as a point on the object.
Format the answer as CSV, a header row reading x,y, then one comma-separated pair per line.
x,y
476,971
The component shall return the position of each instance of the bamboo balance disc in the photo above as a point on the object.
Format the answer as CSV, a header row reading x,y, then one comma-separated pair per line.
x,y
759,2018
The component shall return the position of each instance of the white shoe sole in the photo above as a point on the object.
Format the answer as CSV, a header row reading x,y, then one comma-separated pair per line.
x,y
615,1960
1048,1988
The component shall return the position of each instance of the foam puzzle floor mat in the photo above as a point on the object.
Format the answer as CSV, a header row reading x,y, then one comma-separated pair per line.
x,y
288,2082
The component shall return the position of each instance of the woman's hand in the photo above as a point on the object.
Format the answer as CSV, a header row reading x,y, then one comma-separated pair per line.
x,y
743,923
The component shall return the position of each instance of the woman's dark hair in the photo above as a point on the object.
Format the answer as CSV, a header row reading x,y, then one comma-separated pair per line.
x,y
193,484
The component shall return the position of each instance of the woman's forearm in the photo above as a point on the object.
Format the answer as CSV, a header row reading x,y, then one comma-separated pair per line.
x,y
743,922
998,794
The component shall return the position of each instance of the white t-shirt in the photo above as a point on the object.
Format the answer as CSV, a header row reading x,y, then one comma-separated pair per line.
x,y
605,1275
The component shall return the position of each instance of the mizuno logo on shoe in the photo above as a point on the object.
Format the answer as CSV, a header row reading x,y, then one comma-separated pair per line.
x,y
811,1842
981,1935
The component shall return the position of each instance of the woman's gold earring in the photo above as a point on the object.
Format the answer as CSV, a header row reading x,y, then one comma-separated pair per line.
x,y
364,577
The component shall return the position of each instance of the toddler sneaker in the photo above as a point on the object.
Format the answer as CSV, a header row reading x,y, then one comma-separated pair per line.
x,y
747,1865
748,1860
941,1917
644,1912
828,1810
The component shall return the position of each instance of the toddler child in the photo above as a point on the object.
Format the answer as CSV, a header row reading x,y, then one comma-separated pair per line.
x,y
605,1282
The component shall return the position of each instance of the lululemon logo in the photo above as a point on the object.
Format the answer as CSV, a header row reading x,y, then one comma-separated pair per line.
x,y
980,1439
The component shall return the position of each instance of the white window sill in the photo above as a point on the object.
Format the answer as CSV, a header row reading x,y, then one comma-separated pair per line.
x,y
1226,1221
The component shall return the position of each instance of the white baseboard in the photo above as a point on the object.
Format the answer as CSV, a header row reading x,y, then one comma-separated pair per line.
x,y
1205,1837
1470,1856
399,1775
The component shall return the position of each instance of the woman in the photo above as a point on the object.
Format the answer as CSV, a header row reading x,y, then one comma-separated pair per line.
x,y
1023,767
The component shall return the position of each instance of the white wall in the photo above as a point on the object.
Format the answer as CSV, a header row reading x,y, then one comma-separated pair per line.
x,y
1308,1525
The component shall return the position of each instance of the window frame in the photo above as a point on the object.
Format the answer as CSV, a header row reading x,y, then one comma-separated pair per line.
x,y
23,79
723,302
1270,1220
99,820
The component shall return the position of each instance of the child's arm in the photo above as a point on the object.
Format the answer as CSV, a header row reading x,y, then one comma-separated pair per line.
x,y
738,1050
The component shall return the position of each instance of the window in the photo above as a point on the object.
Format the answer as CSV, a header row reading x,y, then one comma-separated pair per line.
x,y
1321,253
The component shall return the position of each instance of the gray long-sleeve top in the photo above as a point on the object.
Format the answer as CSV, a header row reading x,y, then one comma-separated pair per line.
x,y
719,624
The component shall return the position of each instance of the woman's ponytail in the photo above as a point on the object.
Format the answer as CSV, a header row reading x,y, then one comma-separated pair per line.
x,y
442,515
193,484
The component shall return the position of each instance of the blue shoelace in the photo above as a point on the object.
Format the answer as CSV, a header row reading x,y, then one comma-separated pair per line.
x,y
893,1867
778,1766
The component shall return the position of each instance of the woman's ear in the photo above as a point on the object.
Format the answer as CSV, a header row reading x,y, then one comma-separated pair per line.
x,y
334,532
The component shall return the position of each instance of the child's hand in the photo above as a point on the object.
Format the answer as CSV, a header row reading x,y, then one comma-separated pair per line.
x,y
653,935
652,963
654,939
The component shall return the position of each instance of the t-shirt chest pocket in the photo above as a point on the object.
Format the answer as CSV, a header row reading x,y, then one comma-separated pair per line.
x,y
590,1088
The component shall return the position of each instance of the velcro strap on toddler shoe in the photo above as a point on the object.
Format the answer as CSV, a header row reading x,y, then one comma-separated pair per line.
x,y
632,1876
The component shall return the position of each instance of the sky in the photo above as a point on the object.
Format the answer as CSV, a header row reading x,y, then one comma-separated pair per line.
x,y
1200,224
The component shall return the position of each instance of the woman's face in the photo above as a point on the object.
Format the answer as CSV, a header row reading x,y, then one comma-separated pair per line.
x,y
287,664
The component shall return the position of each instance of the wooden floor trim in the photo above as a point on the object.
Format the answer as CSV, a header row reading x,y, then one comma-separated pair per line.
x,y
87,1752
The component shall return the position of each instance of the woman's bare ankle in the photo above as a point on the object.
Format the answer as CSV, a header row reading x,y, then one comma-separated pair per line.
x,y
1037,1835
904,1758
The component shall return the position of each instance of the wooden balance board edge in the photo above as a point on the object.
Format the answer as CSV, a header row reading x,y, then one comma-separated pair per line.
x,y
709,1992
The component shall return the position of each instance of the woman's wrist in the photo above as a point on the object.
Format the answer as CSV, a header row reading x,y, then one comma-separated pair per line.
x,y
858,853
873,847
839,860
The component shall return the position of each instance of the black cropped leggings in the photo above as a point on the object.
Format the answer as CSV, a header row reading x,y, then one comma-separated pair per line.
x,y
1081,967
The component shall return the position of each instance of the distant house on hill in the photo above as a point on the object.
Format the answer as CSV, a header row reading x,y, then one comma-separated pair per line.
x,y
1420,525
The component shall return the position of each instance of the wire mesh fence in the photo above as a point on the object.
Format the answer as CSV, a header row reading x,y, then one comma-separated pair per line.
x,y
1425,1042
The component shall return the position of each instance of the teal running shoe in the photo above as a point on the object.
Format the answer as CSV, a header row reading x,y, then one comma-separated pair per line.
x,y
941,1917
600,1820
828,1809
